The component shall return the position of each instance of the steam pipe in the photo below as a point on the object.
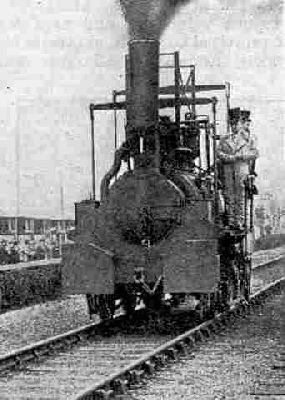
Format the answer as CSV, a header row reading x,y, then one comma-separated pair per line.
x,y
113,171
92,151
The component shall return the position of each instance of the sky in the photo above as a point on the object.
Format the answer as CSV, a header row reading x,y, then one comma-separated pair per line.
x,y
57,57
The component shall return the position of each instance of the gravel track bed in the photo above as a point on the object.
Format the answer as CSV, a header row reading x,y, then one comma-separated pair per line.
x,y
61,377
28,325
239,364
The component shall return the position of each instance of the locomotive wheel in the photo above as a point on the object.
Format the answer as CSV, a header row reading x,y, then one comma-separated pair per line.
x,y
223,301
202,308
230,286
111,303
92,304
213,304
105,306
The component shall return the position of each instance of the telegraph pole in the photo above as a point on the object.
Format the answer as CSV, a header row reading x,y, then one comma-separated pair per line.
x,y
17,164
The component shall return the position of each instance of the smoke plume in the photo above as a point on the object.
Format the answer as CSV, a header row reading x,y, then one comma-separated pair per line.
x,y
147,19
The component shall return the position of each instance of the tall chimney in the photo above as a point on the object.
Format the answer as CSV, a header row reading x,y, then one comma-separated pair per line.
x,y
143,83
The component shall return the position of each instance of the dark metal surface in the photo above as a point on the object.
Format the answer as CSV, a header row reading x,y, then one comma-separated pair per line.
x,y
144,83
167,102
170,89
92,153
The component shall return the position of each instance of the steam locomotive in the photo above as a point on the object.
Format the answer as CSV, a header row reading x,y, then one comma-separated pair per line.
x,y
159,233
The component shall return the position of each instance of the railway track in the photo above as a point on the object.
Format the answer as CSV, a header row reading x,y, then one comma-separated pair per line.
x,y
245,361
115,363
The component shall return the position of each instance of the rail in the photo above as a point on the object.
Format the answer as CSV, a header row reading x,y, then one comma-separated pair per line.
x,y
119,382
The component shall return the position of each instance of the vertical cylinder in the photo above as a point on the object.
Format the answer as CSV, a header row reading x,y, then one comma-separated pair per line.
x,y
207,142
143,83
193,94
177,89
214,126
228,106
115,120
127,85
92,151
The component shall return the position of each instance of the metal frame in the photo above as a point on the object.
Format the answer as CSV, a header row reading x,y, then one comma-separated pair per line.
x,y
177,96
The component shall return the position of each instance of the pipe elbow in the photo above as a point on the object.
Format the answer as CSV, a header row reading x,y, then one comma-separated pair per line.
x,y
105,183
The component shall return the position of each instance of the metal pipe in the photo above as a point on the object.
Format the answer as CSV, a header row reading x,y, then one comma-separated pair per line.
x,y
228,106
127,91
92,152
104,188
18,169
115,119
115,123
177,88
143,83
251,224
216,195
207,143
193,94
157,150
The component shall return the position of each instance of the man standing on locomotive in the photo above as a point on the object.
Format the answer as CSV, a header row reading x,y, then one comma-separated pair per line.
x,y
237,153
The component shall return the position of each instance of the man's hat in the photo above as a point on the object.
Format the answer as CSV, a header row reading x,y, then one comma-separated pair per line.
x,y
234,114
245,115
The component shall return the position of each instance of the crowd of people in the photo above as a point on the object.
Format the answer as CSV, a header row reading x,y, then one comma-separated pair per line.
x,y
12,252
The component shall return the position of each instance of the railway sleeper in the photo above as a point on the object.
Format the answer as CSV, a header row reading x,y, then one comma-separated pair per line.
x,y
182,348
160,359
199,336
80,337
135,376
71,341
101,394
119,386
214,327
205,332
189,341
172,353
59,345
9,364
149,367
21,359
41,351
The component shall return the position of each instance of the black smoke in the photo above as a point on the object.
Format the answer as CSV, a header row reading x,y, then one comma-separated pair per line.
x,y
147,19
